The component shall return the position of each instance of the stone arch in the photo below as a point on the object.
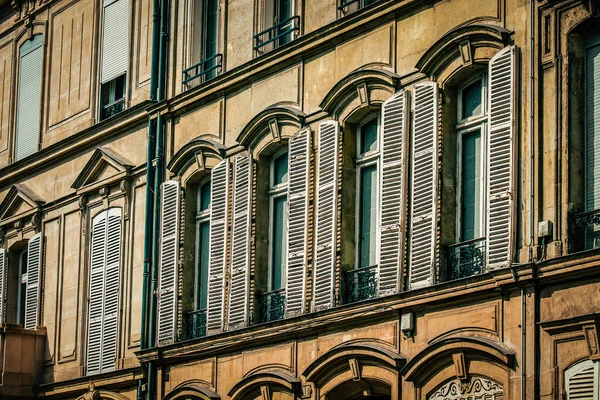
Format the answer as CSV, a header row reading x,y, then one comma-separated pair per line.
x,y
460,48
193,389
367,367
360,89
466,364
197,156
94,394
262,384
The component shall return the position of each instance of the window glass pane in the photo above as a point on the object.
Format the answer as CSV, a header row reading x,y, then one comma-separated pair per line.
x,y
22,294
368,137
471,186
204,197
471,100
280,169
278,241
203,260
368,216
284,10
23,263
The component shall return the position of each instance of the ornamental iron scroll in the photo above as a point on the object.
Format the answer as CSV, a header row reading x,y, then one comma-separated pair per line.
x,y
474,389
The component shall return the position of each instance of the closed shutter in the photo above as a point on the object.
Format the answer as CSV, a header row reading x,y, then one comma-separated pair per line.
x,y
111,289
218,248
581,381
592,128
29,98
327,182
169,253
501,148
392,192
32,296
424,181
240,242
115,39
299,165
96,294
104,291
3,267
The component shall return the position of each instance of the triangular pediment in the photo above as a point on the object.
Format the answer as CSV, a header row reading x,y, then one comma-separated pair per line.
x,y
20,200
103,166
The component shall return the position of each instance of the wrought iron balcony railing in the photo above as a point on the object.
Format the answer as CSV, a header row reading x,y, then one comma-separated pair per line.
x,y
279,34
585,230
196,324
467,259
358,4
272,305
204,70
113,108
361,284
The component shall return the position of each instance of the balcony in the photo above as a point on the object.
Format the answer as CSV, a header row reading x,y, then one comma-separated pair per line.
x,y
585,230
204,70
277,35
361,284
354,5
466,259
113,108
272,305
196,324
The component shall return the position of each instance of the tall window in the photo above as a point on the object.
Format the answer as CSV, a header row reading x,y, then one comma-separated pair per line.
x,y
278,221
22,287
202,246
279,25
115,57
29,94
205,61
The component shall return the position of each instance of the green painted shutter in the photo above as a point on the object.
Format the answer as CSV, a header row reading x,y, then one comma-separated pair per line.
x,y
169,255
327,201
501,158
393,162
424,185
32,296
29,94
115,39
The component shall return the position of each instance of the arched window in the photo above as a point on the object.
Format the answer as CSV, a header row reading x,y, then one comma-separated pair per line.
x,y
581,381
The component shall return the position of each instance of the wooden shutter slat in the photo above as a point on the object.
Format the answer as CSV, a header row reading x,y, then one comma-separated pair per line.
x,y
392,192
501,148
3,268
240,242
32,298
592,128
218,233
327,182
111,290
298,167
581,381
169,253
115,40
424,181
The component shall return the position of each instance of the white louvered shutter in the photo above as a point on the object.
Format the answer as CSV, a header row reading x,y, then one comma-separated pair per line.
x,y
29,97
327,198
96,294
115,39
501,158
592,127
3,268
240,242
298,167
111,289
32,296
582,381
424,182
218,248
392,192
169,254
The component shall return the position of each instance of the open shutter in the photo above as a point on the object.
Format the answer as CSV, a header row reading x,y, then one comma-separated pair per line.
x,y
29,97
424,181
392,192
96,294
582,381
501,159
240,242
327,198
218,248
298,167
3,267
169,254
111,289
592,127
115,39
32,296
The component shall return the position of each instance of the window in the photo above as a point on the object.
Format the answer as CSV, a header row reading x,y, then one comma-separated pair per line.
x,y
205,60
29,92
279,26
22,287
114,57
581,381
350,6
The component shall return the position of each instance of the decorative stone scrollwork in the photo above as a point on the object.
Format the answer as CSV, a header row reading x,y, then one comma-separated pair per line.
x,y
18,225
2,236
473,389
36,221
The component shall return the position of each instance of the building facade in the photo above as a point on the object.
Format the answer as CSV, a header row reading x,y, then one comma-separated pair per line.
x,y
271,199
